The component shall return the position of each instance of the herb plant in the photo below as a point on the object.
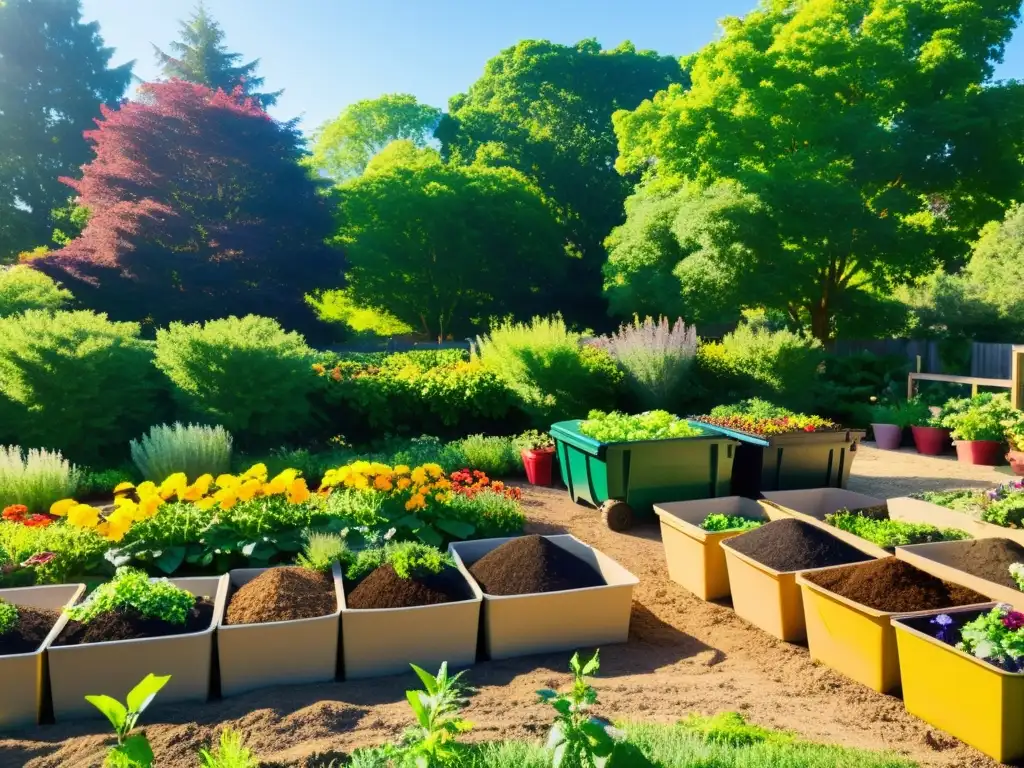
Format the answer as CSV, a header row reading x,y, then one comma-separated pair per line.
x,y
35,478
8,617
904,413
194,449
534,440
408,558
131,589
1002,505
230,752
718,522
133,749
616,427
497,456
322,550
982,417
889,534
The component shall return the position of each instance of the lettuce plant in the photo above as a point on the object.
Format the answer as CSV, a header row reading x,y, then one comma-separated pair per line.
x,y
133,749
718,522
131,589
618,427
890,534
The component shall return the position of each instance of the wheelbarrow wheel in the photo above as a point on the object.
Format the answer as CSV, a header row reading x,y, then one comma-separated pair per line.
x,y
618,515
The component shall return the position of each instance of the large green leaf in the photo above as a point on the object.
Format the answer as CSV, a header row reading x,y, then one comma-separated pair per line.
x,y
142,694
456,528
137,749
428,535
170,559
113,709
429,681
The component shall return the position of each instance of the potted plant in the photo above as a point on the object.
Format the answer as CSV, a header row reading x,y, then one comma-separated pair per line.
x,y
538,452
930,437
889,421
1015,437
977,425
128,627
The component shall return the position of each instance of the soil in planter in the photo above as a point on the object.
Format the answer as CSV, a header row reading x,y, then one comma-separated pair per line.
x,y
894,586
282,594
988,559
33,626
130,625
793,545
383,588
531,564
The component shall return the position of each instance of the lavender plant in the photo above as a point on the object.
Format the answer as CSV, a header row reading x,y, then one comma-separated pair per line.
x,y
656,355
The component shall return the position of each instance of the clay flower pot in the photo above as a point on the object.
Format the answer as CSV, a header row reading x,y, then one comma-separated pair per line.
x,y
539,463
932,441
1016,461
887,436
988,453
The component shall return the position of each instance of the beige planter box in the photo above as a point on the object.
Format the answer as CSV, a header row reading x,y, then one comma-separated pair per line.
x,y
294,652
385,641
695,559
813,505
936,558
918,511
115,667
518,625
24,674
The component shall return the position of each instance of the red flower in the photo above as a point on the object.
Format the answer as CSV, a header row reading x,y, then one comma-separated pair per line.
x,y
809,428
37,521
1013,620
15,513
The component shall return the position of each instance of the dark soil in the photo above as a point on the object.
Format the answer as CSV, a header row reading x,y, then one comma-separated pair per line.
x,y
894,586
130,625
34,624
383,588
282,594
531,564
793,545
988,559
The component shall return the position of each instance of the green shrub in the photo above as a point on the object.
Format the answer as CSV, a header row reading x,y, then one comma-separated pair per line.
x,y
496,456
982,417
76,551
36,478
8,617
322,550
902,413
548,369
889,534
246,373
74,381
131,589
492,515
23,288
194,449
100,484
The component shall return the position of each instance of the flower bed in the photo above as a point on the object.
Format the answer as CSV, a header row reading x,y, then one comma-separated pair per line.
x,y
759,418
1002,505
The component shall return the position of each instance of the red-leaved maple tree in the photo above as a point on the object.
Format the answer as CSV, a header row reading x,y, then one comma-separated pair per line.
x,y
200,209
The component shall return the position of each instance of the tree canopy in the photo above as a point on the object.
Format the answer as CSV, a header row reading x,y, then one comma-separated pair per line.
x,y
826,148
54,74
199,209
201,57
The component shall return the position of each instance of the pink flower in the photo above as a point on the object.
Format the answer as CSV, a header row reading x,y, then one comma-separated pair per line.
x,y
1013,620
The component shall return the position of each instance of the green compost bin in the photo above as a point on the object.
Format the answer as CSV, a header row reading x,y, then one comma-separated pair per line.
x,y
792,461
645,472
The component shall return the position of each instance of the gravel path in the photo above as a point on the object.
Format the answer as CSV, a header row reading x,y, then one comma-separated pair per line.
x,y
897,473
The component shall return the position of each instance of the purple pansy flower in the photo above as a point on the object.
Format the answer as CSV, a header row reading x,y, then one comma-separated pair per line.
x,y
1013,620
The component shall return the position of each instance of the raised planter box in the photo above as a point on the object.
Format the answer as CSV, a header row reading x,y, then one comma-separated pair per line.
x,y
813,505
384,641
919,511
969,698
936,558
114,668
646,472
23,675
695,559
791,461
519,625
272,653
853,639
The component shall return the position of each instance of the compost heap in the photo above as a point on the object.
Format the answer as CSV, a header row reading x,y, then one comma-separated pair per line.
x,y
793,545
28,634
988,559
283,594
383,588
894,586
531,564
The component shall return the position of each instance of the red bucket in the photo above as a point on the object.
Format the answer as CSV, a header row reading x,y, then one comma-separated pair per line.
x,y
932,441
539,463
987,453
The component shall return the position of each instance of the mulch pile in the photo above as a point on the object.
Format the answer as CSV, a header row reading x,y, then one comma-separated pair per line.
x,y
892,585
531,564
793,545
383,588
988,559
130,625
34,624
282,594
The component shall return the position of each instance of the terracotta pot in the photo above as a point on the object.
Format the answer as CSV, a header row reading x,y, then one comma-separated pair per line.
x,y
538,463
932,441
887,436
988,453
1016,461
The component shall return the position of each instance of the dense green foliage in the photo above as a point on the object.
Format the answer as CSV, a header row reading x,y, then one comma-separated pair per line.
x,y
983,417
1003,505
131,589
35,478
618,427
8,617
194,449
719,522
408,558
22,289
890,534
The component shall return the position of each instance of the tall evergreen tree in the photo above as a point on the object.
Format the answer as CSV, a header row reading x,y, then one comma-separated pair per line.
x,y
54,74
203,58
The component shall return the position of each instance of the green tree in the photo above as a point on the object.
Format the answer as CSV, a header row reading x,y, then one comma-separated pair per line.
x,y
23,288
832,148
342,147
54,75
444,247
995,270
201,57
545,109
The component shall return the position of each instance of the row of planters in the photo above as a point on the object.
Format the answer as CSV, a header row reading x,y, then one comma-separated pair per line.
x,y
877,593
337,614
980,427
627,464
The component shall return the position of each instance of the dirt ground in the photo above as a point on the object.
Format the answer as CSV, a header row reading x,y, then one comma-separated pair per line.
x,y
683,655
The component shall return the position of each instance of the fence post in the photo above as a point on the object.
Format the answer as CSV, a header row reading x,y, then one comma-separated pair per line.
x,y
1017,376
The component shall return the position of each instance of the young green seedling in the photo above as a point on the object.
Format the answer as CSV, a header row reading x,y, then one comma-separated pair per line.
x,y
132,749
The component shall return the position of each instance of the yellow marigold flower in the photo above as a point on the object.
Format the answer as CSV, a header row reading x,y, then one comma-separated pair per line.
x,y
274,487
434,470
358,482
402,469
118,523
147,488
403,483
204,504
227,499
102,529
248,490
443,483
256,472
297,491
174,485
122,487
419,476
203,482
226,481
440,496
382,483
60,508
192,493
83,516
149,505
359,466
376,468
415,502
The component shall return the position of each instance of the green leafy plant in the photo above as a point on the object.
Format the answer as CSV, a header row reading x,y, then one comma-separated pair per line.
x,y
732,729
230,752
23,288
431,743
904,413
532,440
997,636
100,484
132,589
718,522
8,616
322,551
59,553
890,534
35,478
1015,433
497,456
982,417
577,739
1017,572
133,749
491,514
194,449
408,558
618,427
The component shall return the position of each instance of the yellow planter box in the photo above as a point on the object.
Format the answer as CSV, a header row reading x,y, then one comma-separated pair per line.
x,y
969,698
694,558
852,638
813,505
935,558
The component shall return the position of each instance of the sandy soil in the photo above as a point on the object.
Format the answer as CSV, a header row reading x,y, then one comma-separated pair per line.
x,y
683,655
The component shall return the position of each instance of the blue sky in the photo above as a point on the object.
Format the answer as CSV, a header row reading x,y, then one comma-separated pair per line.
x,y
329,53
